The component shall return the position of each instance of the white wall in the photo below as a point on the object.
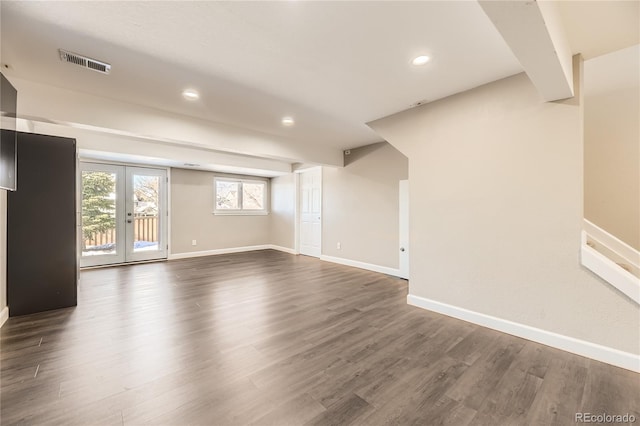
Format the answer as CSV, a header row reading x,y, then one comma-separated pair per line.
x,y
192,217
360,206
283,208
496,209
612,144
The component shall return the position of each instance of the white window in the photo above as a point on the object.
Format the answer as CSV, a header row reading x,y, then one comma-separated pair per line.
x,y
240,196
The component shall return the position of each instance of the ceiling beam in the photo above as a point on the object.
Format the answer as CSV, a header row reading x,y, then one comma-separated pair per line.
x,y
104,146
534,32
72,109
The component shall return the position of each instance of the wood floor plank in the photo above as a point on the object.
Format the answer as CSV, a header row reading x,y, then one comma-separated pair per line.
x,y
412,398
343,412
607,389
484,375
560,396
268,338
297,411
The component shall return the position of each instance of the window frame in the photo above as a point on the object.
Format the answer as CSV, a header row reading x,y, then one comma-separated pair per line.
x,y
240,211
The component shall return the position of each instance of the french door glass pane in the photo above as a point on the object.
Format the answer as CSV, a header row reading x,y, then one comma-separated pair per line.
x,y
98,213
146,202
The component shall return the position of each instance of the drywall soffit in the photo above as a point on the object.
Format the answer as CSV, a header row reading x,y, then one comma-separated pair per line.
x,y
534,33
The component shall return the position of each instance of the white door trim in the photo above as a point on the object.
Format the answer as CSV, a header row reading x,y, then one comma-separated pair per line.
x,y
404,257
296,218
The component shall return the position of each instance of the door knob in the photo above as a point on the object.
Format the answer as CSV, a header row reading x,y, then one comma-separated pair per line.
x,y
401,248
128,220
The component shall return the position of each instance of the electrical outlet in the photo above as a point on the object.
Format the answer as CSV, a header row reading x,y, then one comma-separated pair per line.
x,y
339,246
194,243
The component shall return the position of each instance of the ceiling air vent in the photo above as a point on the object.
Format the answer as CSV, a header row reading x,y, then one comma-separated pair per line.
x,y
83,61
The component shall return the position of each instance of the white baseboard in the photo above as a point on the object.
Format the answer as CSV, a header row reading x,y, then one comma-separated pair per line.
x,y
4,315
362,265
284,249
175,256
341,261
187,255
601,353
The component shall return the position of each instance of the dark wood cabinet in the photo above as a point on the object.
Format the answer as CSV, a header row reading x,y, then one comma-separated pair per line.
x,y
41,226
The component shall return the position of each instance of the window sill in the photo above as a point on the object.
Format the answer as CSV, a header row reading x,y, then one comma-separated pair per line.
x,y
240,213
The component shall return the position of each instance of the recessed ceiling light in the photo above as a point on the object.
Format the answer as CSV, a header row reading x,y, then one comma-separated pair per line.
x,y
288,121
192,164
190,94
420,60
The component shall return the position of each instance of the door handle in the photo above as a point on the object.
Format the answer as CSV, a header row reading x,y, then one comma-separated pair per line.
x,y
401,248
128,220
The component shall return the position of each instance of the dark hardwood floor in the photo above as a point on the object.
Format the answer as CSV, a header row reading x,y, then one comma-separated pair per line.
x,y
268,338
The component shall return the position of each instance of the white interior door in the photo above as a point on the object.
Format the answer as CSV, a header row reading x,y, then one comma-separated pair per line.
x,y
404,228
124,214
310,235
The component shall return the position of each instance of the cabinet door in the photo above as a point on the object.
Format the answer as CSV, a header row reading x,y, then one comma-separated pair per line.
x,y
41,226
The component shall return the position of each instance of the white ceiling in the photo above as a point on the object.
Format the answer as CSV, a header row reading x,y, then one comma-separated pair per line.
x,y
595,28
332,65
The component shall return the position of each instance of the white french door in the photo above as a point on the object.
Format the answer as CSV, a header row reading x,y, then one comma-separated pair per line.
x,y
124,214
